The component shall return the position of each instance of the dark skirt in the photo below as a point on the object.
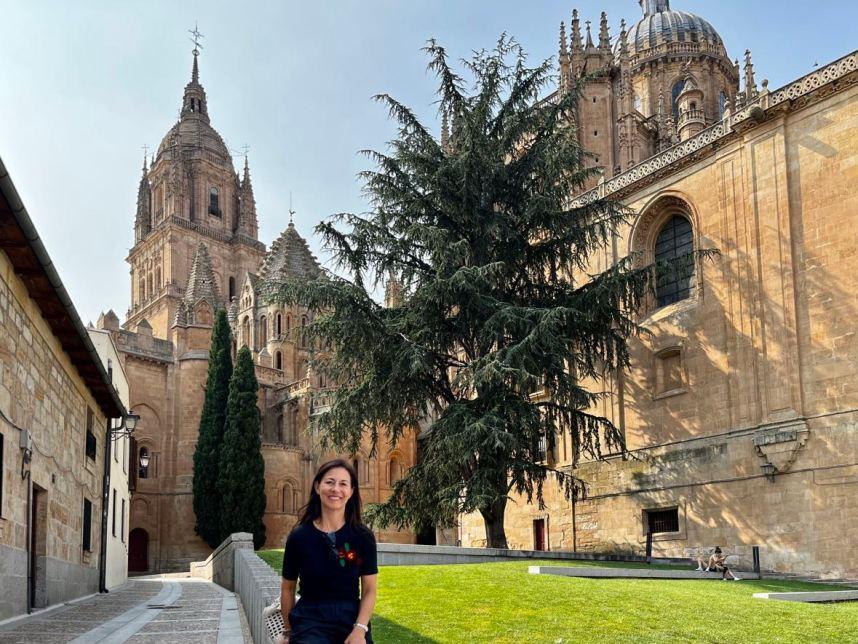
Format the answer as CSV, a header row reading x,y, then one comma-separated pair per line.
x,y
323,622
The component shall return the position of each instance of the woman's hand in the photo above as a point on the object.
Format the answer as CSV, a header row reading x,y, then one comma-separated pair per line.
x,y
357,636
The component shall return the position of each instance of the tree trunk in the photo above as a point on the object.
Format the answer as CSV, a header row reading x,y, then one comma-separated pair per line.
x,y
493,518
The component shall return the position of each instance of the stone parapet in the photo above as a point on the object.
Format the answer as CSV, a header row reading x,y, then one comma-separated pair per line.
x,y
219,567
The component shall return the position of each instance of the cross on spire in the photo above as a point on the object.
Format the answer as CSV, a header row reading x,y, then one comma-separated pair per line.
x,y
291,212
195,32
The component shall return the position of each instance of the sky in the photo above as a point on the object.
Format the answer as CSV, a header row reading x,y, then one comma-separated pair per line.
x,y
84,85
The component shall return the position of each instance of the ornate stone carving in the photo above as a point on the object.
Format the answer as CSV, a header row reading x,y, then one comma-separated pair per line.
x,y
779,445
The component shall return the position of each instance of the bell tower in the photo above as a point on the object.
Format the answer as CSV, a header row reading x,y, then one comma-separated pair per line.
x,y
190,195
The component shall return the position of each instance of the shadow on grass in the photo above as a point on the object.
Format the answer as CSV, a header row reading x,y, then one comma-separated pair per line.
x,y
385,631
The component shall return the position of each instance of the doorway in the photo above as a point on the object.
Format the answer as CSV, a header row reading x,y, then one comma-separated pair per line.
x,y
39,548
138,550
539,534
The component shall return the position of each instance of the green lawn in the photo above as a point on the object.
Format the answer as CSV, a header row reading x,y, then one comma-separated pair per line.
x,y
501,602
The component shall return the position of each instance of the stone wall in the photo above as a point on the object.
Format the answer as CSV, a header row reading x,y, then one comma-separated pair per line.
x,y
42,392
767,356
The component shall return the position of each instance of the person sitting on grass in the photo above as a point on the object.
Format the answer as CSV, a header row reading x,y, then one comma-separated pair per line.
x,y
717,563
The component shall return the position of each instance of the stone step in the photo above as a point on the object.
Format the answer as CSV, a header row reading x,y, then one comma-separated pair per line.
x,y
818,596
631,573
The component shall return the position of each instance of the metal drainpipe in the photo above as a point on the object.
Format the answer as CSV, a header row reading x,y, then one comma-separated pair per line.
x,y
105,502
30,571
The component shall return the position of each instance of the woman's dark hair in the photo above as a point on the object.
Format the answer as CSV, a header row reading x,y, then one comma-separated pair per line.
x,y
313,509
717,550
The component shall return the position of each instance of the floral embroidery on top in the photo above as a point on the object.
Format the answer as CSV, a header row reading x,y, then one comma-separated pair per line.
x,y
347,556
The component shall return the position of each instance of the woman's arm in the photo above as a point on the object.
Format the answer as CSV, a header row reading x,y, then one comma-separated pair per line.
x,y
368,594
287,600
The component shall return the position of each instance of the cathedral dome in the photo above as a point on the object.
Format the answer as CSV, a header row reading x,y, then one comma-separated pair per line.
x,y
193,134
662,26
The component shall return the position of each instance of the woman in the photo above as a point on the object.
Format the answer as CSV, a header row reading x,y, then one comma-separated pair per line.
x,y
332,553
717,563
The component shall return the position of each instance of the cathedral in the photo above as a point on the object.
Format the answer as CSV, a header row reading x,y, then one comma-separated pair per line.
x,y
196,250
740,409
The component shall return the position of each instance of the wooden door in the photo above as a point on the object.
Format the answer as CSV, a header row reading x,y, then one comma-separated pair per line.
x,y
138,550
539,534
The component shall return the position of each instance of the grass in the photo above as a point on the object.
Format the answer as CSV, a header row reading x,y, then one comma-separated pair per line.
x,y
501,602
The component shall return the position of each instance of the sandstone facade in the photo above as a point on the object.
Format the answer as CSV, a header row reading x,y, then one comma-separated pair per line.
x,y
55,402
741,404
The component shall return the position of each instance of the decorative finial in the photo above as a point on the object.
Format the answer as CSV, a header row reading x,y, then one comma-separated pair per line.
x,y
750,83
291,212
195,32
563,50
145,153
589,36
604,36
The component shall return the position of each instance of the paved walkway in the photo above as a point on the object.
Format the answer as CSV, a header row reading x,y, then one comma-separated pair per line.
x,y
146,610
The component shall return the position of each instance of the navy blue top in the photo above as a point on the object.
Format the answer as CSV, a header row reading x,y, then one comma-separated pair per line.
x,y
329,565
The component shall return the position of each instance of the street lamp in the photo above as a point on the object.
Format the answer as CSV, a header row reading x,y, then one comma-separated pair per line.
x,y
129,424
144,460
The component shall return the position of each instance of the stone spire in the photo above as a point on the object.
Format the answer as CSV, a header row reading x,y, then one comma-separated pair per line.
x,y
604,36
590,44
576,58
202,287
626,89
289,258
750,83
392,292
652,7
563,59
248,223
194,101
143,219
445,131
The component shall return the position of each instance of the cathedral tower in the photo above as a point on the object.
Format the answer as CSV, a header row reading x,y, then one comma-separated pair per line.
x,y
190,195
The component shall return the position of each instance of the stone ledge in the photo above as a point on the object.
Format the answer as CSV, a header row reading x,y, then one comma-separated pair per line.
x,y
632,573
401,554
821,596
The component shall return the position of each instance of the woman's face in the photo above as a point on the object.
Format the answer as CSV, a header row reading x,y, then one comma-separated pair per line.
x,y
335,489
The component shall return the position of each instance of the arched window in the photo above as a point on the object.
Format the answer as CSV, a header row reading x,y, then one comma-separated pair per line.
x,y
231,288
158,278
143,472
280,421
263,331
214,202
288,324
289,498
722,103
141,288
292,427
245,331
395,470
278,360
303,339
674,98
149,289
321,381
674,244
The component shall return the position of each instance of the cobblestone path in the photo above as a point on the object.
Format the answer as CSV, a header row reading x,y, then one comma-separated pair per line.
x,y
145,610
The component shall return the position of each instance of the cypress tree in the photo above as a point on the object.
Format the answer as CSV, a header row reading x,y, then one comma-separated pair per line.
x,y
241,479
207,507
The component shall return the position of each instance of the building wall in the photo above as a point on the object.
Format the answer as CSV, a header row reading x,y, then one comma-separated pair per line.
x,y
119,496
41,391
768,360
